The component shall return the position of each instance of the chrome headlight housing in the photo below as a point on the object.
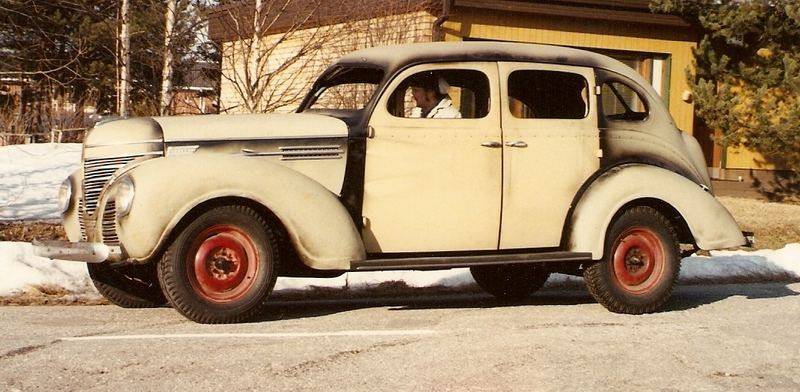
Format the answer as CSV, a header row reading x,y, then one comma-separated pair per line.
x,y
123,196
64,196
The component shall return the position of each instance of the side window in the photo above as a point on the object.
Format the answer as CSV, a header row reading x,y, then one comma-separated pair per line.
x,y
548,95
622,103
346,96
448,93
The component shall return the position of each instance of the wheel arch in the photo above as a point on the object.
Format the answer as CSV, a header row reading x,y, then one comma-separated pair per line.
x,y
291,264
673,215
696,215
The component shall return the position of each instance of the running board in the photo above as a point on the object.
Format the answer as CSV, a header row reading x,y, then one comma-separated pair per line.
x,y
444,262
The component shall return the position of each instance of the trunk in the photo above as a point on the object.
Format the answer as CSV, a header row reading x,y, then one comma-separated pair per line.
x,y
166,73
125,56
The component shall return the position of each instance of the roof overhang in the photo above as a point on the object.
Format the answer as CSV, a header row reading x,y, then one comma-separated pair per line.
x,y
628,11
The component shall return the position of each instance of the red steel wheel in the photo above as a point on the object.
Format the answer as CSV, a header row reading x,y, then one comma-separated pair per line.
x,y
225,262
640,264
638,260
222,266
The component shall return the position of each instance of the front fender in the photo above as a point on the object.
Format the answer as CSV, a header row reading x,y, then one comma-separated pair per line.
x,y
166,189
710,223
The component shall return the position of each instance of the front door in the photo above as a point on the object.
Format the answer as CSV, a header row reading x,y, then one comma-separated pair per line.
x,y
551,147
433,181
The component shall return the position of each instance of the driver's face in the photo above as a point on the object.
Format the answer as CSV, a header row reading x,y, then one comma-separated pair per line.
x,y
423,97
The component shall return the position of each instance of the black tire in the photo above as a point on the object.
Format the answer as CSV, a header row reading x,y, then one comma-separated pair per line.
x,y
640,265
222,267
510,282
129,286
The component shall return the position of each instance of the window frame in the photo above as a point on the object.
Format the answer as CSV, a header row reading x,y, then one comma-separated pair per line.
x,y
487,68
633,87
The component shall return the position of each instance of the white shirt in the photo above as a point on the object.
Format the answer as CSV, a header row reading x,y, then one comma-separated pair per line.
x,y
443,109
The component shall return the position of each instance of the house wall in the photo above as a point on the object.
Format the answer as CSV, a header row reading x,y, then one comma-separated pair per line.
x,y
288,86
674,44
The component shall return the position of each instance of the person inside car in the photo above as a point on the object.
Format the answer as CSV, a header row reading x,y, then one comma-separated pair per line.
x,y
430,94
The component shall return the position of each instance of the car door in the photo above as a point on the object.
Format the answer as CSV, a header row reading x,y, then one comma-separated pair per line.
x,y
551,147
434,184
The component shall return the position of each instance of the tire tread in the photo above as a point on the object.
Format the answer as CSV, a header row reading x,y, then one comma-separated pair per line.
x,y
168,279
600,286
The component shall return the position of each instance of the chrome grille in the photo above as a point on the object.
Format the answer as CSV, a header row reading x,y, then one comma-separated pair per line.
x,y
96,173
81,220
109,225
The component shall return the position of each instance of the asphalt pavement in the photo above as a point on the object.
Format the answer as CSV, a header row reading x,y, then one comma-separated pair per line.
x,y
717,338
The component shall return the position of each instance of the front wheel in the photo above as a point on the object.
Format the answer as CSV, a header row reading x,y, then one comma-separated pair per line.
x,y
128,286
222,267
640,265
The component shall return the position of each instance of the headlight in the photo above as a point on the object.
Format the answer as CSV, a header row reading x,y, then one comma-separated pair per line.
x,y
64,196
123,196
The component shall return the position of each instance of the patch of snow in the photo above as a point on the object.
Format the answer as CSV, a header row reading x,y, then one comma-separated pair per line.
x,y
20,269
766,263
31,175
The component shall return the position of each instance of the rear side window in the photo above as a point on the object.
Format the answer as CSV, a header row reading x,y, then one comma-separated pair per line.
x,y
548,95
622,103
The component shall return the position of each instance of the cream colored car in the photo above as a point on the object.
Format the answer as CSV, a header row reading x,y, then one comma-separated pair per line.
x,y
550,160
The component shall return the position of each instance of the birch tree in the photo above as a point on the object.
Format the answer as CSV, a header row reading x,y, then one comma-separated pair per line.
x,y
166,73
124,58
272,39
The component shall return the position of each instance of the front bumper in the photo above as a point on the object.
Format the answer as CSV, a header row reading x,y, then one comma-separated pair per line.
x,y
87,252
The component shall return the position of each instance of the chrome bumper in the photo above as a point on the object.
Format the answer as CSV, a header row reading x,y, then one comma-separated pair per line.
x,y
87,252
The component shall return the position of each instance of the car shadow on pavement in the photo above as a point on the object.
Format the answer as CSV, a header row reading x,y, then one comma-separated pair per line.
x,y
685,297
694,296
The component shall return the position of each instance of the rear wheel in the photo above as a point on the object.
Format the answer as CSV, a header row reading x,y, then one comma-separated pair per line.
x,y
510,282
129,286
222,267
640,265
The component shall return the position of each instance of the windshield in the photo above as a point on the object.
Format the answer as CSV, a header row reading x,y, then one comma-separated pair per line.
x,y
346,88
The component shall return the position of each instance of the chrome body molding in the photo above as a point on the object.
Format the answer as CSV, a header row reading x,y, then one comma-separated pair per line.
x,y
152,141
300,152
253,139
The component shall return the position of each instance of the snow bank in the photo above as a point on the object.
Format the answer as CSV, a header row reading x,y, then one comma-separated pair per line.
x,y
20,270
30,175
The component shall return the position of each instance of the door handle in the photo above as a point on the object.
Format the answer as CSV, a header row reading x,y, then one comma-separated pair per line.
x,y
518,143
492,144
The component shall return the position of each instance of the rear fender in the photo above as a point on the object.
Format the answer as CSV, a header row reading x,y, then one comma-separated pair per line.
x,y
711,225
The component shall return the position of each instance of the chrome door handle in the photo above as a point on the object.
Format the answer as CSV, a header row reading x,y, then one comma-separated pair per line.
x,y
492,144
518,143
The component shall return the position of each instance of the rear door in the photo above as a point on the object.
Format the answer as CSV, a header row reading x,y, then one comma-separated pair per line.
x,y
551,146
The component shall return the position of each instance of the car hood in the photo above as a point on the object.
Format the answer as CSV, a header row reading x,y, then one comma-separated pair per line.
x,y
249,127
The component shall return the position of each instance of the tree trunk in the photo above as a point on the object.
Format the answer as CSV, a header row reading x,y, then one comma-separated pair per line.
x,y
166,73
125,57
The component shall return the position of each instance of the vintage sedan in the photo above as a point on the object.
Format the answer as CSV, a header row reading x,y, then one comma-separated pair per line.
x,y
514,160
